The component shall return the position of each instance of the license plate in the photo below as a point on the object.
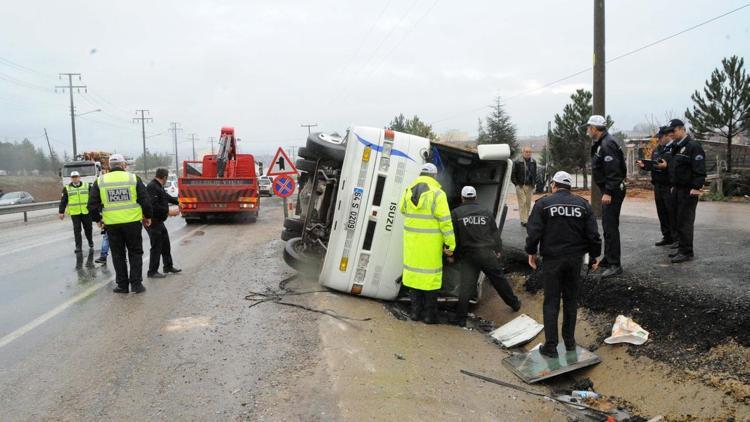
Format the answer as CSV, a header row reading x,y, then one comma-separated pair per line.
x,y
351,223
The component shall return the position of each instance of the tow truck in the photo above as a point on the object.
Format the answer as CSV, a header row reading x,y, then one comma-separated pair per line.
x,y
221,184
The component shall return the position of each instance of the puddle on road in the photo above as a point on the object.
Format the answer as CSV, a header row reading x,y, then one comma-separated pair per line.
x,y
187,323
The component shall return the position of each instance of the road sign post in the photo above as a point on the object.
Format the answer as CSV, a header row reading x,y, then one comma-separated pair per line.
x,y
283,185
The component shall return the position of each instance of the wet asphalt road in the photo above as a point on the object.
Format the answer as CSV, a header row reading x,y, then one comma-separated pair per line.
x,y
70,349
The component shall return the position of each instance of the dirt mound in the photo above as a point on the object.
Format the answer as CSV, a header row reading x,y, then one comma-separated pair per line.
x,y
42,188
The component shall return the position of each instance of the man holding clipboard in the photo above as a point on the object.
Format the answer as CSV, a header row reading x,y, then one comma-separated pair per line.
x,y
660,179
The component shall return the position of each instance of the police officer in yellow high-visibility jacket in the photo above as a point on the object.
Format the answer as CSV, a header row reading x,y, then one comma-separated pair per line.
x,y
428,233
120,202
74,198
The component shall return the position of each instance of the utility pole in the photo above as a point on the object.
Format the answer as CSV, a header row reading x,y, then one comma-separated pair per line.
x,y
51,154
308,126
70,87
211,139
599,88
192,138
174,127
143,132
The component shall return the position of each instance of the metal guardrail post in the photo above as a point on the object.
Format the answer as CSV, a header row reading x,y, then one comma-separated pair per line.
x,y
26,208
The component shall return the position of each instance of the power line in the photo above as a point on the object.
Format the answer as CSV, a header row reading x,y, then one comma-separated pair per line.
x,y
588,69
174,127
308,126
23,68
70,87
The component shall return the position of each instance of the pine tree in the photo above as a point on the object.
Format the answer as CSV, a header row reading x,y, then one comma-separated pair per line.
x,y
570,147
725,110
481,133
500,129
414,126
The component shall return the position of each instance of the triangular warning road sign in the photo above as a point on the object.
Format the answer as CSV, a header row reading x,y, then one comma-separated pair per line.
x,y
281,164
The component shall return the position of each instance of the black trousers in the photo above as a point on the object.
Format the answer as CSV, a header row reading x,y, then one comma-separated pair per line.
x,y
160,247
666,211
685,222
81,221
472,261
611,228
126,238
561,280
423,301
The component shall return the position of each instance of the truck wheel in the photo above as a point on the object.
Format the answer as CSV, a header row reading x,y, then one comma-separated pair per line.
x,y
307,155
192,220
307,166
324,146
296,257
294,225
288,235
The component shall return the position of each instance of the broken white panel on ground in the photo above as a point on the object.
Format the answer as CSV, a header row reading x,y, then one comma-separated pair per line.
x,y
625,330
518,331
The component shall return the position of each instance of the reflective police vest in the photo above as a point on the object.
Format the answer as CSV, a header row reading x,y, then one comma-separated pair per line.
x,y
117,191
78,198
427,227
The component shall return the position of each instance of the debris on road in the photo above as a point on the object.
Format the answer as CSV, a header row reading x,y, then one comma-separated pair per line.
x,y
399,356
276,297
532,366
518,331
625,330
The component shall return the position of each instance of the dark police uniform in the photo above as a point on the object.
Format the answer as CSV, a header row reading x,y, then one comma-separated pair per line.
x,y
477,244
662,193
124,225
564,227
687,170
157,231
608,171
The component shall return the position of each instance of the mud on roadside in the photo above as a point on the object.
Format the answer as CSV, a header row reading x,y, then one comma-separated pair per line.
x,y
694,337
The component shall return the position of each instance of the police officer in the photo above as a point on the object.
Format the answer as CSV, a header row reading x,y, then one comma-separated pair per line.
x,y
75,196
478,247
157,232
120,202
608,171
428,234
687,172
660,179
563,228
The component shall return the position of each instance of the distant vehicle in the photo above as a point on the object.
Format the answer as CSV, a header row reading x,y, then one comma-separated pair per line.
x,y
3,172
222,184
265,184
89,165
16,198
171,187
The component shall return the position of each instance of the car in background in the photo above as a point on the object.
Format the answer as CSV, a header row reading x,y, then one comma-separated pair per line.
x,y
171,188
265,185
16,198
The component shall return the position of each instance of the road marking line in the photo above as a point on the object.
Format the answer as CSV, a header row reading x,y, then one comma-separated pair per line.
x,y
9,338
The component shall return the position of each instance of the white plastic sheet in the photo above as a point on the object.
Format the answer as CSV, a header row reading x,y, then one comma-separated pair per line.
x,y
625,330
518,331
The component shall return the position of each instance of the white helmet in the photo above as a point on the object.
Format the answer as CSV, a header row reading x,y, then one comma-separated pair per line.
x,y
429,168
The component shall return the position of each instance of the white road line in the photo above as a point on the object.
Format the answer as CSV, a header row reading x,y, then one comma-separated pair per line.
x,y
9,338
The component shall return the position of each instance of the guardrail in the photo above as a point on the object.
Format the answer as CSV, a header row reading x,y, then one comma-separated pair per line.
x,y
25,208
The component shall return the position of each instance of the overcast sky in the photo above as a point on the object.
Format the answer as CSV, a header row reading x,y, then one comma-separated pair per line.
x,y
265,67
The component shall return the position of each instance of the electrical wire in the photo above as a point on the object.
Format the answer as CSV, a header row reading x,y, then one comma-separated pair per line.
x,y
588,69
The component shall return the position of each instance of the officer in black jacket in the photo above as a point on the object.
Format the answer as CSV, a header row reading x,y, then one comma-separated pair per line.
x,y
660,179
157,232
478,247
563,228
608,171
687,173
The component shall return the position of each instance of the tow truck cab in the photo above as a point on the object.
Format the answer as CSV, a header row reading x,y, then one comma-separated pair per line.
x,y
349,207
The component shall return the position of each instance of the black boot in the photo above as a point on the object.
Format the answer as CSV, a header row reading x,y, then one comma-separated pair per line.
x,y
430,307
417,304
548,350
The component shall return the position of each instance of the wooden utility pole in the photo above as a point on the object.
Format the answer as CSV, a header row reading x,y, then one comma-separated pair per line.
x,y
599,88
